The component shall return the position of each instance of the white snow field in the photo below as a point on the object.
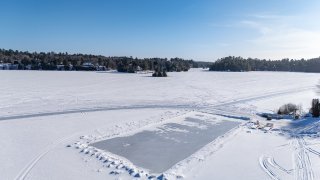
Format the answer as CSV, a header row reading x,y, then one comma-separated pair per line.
x,y
190,125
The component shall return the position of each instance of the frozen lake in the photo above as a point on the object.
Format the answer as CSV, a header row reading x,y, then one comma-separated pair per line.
x,y
52,100
159,149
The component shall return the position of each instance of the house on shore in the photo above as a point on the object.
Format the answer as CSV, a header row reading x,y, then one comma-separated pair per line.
x,y
87,66
8,66
60,67
101,68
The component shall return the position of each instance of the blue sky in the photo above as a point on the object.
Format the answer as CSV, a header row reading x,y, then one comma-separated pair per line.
x,y
193,29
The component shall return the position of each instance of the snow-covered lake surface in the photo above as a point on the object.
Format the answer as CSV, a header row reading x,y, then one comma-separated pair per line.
x,y
32,92
160,149
50,119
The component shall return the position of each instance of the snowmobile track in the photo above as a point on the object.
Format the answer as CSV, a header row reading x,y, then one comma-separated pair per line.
x,y
303,170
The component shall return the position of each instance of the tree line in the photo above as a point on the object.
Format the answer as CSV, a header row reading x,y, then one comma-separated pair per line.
x,y
65,61
238,64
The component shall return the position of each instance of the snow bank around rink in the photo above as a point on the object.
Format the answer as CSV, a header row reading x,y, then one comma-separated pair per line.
x,y
119,166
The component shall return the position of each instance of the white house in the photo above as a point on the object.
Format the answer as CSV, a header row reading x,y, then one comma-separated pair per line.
x,y
8,66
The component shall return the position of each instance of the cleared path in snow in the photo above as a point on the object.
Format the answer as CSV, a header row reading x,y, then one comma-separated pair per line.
x,y
73,111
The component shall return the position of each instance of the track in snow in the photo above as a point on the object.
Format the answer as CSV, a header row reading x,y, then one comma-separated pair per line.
x,y
213,107
313,151
97,109
269,165
25,171
303,169
301,162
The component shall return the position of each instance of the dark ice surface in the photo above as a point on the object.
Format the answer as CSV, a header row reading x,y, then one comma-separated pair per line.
x,y
159,149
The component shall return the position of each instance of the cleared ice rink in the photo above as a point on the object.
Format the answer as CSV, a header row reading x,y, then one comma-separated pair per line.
x,y
159,149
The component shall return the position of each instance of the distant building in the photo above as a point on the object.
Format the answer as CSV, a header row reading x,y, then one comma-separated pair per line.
x,y
139,69
3,66
88,66
8,66
71,68
101,68
28,67
60,67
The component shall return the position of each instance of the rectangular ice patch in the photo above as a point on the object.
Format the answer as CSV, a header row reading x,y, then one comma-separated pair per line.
x,y
161,148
